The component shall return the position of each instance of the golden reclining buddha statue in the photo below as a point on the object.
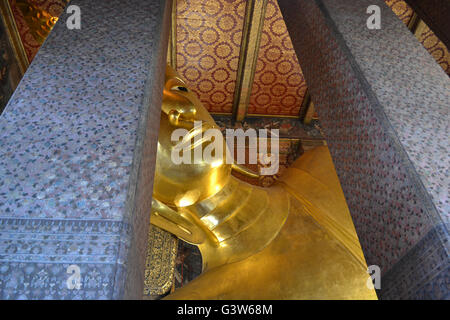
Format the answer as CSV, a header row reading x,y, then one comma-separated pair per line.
x,y
293,240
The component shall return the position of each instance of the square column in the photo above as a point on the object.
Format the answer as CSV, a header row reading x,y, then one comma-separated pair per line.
x,y
77,152
383,103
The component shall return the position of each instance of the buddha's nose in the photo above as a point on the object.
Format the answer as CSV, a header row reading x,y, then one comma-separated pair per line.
x,y
187,110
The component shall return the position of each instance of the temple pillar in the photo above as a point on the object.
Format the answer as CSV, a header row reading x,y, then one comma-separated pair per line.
x,y
383,104
77,154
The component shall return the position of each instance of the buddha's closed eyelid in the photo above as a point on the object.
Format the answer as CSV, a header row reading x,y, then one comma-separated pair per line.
x,y
179,88
178,102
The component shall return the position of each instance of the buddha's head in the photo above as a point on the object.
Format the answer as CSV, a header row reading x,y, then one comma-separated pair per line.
x,y
183,184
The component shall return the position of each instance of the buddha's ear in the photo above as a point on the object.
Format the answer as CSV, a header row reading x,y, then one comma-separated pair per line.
x,y
179,88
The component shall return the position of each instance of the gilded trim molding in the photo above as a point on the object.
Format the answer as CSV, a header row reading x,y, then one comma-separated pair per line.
x,y
172,50
307,109
251,35
14,36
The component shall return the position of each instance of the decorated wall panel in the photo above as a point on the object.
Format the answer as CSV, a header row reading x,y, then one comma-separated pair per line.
x,y
279,87
209,35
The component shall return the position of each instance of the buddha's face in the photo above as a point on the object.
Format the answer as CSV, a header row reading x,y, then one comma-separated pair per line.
x,y
186,183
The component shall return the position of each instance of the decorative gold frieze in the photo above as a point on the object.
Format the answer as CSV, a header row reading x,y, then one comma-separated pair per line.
x,y
160,262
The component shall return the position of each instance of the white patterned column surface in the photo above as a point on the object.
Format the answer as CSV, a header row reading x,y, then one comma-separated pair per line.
x,y
383,104
77,151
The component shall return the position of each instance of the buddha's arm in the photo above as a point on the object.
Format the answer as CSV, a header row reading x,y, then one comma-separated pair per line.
x,y
313,181
245,171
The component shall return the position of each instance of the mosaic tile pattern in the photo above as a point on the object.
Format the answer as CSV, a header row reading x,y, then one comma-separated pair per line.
x,y
413,97
160,262
424,272
208,45
370,100
77,152
35,255
279,87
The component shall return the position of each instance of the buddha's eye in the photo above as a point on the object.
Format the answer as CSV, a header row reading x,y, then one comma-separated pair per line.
x,y
180,88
